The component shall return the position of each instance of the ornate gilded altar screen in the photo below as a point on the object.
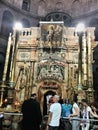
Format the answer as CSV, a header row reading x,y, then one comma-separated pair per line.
x,y
47,61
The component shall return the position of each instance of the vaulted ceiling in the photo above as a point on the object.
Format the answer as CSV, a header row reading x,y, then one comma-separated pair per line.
x,y
43,7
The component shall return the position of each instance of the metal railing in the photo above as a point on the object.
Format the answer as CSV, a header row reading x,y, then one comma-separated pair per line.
x,y
65,123
11,121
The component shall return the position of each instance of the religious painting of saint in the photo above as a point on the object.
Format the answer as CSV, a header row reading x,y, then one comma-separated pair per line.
x,y
51,34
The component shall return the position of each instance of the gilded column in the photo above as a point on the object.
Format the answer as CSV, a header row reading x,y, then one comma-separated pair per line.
x,y
80,63
34,75
89,60
5,69
90,81
11,93
12,59
84,61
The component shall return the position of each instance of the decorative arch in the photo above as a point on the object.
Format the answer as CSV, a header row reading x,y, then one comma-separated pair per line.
x,y
49,87
94,23
76,4
59,16
25,23
26,5
7,23
47,95
42,8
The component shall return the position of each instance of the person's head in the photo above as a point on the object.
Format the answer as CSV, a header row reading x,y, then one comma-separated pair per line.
x,y
33,95
94,106
66,100
61,100
75,99
55,98
84,102
51,100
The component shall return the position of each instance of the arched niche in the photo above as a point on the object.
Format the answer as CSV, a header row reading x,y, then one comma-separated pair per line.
x,y
41,8
76,7
26,5
7,23
94,23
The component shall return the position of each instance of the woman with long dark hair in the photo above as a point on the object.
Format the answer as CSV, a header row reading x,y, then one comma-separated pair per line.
x,y
75,114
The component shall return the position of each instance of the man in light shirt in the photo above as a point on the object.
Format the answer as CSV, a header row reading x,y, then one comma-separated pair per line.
x,y
54,115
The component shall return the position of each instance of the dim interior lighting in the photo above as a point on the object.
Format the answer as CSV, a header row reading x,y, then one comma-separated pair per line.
x,y
18,26
80,27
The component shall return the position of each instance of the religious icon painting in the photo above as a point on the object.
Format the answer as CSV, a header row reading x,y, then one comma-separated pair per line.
x,y
51,34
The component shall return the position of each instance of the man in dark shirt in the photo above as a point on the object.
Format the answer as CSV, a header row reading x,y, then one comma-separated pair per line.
x,y
31,114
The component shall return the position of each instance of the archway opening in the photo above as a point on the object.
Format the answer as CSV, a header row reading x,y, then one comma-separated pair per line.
x,y
47,96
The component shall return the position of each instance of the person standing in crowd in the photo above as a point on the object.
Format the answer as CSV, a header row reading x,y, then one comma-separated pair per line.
x,y
87,111
31,114
49,104
94,107
66,111
54,114
61,100
66,108
75,114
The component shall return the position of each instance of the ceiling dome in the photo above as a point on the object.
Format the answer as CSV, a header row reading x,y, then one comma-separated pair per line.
x,y
44,7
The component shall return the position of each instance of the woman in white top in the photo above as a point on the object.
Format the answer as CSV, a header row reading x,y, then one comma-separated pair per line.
x,y
86,112
75,115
